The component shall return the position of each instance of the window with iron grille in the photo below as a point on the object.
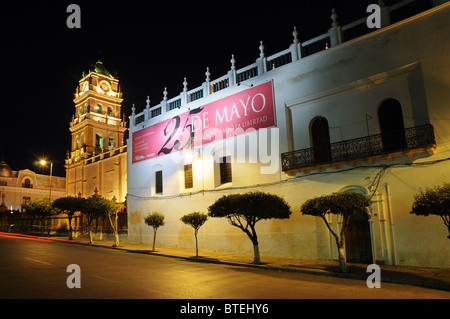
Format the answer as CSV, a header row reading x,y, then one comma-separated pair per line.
x,y
225,170
158,182
188,178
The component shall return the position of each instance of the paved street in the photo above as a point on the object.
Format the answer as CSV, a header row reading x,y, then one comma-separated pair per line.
x,y
31,268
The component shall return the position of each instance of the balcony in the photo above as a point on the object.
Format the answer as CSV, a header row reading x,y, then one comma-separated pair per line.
x,y
407,141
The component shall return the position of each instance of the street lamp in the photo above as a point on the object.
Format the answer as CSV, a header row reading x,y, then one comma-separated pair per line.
x,y
43,163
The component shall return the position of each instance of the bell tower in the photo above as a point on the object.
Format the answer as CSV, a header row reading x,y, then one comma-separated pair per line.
x,y
96,125
97,156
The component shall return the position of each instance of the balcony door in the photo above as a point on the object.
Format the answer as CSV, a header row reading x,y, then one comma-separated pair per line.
x,y
320,139
392,129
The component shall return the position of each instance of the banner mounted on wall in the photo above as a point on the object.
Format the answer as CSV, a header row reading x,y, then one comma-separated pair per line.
x,y
251,109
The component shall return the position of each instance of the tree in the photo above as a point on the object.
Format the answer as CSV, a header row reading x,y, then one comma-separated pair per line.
x,y
97,206
154,220
245,210
70,205
343,204
113,216
196,220
434,201
41,208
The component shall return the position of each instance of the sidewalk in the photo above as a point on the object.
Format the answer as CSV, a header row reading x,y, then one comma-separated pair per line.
x,y
434,278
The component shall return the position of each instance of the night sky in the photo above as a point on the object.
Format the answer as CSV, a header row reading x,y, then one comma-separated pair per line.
x,y
151,45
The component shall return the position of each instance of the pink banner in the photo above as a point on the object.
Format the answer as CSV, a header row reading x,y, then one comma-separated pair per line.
x,y
250,109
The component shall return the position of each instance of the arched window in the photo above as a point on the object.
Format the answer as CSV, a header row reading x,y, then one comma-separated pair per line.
x,y
392,129
98,109
27,183
320,139
110,111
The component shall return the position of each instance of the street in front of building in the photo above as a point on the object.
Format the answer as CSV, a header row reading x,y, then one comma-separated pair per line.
x,y
38,268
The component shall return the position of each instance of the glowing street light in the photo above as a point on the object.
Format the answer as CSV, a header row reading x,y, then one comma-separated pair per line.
x,y
43,162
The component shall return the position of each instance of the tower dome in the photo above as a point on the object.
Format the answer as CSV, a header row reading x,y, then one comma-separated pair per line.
x,y
5,170
100,68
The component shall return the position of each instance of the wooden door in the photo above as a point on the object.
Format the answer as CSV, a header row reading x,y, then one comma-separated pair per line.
x,y
358,245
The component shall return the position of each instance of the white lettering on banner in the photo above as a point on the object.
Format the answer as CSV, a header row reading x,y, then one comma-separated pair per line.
x,y
224,114
245,105
263,105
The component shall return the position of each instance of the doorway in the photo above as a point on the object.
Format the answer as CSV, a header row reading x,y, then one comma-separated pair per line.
x,y
358,244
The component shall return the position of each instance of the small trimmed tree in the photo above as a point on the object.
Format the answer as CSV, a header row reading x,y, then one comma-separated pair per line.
x,y
343,204
434,201
196,220
155,220
70,205
95,207
245,210
42,208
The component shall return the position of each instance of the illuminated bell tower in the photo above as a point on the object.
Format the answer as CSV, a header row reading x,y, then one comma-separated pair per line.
x,y
97,157
97,125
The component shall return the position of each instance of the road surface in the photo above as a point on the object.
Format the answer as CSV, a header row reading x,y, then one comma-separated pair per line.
x,y
32,268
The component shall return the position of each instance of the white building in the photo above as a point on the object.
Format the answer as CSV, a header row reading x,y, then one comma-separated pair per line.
x,y
354,109
19,187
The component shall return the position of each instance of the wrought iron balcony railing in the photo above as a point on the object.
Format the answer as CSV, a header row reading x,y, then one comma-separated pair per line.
x,y
359,148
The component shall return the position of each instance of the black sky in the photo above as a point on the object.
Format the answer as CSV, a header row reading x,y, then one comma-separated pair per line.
x,y
150,44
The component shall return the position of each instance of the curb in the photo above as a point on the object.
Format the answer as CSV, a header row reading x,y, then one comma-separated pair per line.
x,y
425,284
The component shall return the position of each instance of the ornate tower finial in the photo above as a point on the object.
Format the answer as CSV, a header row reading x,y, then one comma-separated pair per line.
x,y
185,85
334,17
148,102
207,73
133,110
165,94
295,35
261,49
233,63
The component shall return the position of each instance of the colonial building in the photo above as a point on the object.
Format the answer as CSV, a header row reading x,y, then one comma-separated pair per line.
x,y
19,187
97,159
355,109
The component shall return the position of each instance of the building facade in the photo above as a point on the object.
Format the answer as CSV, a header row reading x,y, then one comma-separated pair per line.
x,y
354,109
97,159
19,187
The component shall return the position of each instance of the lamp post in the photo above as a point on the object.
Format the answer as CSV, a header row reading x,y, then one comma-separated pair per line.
x,y
43,163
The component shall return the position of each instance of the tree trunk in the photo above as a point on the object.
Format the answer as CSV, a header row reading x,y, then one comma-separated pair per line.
x,y
116,239
91,241
70,227
342,265
196,245
154,238
257,259
113,222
